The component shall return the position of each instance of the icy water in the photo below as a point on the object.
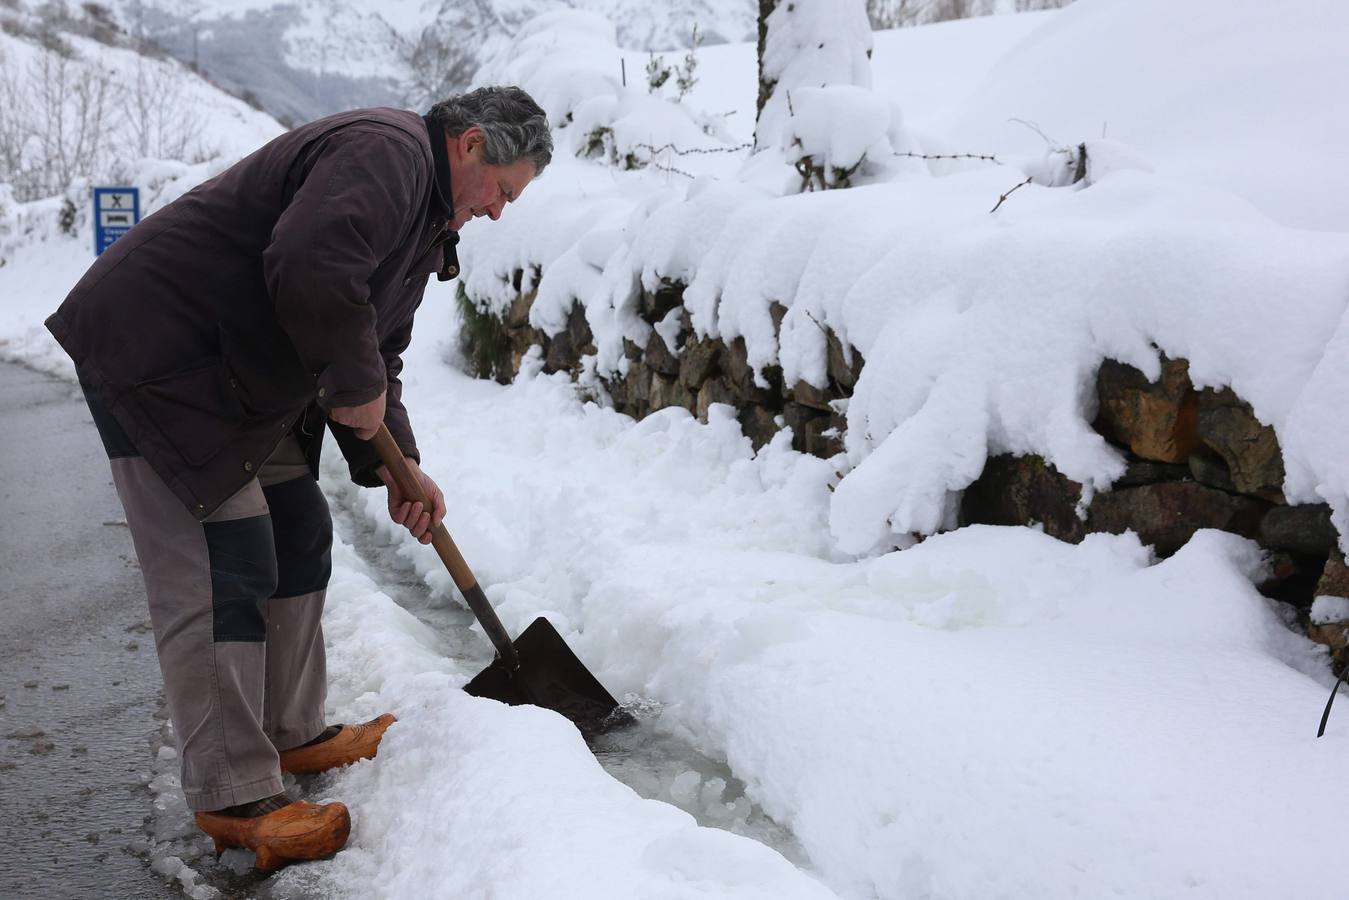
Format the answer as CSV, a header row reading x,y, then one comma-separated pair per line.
x,y
649,759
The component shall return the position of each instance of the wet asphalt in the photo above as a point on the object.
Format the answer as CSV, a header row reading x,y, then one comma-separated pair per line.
x,y
79,681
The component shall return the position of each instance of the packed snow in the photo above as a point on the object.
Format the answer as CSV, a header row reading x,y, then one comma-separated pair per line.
x,y
988,713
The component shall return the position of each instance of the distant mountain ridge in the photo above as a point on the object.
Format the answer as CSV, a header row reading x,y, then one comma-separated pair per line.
x,y
301,59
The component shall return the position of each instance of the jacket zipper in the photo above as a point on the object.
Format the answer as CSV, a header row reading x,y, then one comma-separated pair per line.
x,y
438,241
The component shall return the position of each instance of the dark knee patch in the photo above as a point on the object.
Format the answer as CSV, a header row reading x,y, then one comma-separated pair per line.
x,y
303,533
243,576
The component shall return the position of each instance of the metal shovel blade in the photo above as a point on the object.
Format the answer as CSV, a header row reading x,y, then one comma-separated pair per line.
x,y
552,677
536,668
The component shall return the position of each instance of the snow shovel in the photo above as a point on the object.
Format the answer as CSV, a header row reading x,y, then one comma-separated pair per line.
x,y
538,668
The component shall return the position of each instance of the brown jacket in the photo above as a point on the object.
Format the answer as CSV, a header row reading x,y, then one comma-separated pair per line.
x,y
282,287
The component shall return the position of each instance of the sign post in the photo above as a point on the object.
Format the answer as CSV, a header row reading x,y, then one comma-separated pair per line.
x,y
116,209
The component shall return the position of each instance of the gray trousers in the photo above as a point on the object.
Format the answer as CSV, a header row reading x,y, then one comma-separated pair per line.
x,y
235,602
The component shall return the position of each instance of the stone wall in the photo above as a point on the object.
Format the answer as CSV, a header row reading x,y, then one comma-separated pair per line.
x,y
1196,458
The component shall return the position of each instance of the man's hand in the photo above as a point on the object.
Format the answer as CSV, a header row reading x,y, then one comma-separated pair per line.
x,y
412,515
363,419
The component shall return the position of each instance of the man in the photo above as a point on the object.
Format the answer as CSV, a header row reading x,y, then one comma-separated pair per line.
x,y
214,341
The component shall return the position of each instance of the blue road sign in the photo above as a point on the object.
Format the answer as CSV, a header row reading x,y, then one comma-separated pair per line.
x,y
116,209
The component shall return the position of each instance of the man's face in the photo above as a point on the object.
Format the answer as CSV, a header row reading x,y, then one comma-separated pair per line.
x,y
481,189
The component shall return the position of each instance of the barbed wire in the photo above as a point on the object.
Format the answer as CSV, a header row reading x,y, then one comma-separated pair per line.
x,y
677,152
672,170
1003,197
992,159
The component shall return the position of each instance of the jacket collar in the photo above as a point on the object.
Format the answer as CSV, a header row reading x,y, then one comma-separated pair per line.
x,y
442,197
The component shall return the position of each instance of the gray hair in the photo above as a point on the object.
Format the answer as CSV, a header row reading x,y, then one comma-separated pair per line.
x,y
515,127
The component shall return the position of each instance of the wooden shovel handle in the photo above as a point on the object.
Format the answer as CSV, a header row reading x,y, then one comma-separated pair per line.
x,y
392,456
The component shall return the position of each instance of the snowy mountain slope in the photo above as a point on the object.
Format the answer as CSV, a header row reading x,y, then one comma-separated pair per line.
x,y
296,60
305,58
77,109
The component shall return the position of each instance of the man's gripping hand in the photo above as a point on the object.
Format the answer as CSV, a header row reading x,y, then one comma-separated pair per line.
x,y
363,419
411,514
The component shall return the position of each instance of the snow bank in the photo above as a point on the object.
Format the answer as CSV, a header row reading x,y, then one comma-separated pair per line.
x,y
991,713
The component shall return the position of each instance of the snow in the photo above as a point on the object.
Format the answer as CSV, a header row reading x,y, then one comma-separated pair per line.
x,y
991,713
569,62
524,810
1330,609
987,713
1217,90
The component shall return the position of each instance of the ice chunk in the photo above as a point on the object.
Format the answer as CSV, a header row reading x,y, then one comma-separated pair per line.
x,y
684,788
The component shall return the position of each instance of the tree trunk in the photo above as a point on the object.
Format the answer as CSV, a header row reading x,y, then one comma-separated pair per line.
x,y
766,7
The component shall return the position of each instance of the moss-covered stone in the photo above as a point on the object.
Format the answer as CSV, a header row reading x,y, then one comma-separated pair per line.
x,y
483,340
517,314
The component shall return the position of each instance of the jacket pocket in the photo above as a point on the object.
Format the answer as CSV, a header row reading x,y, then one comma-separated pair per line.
x,y
263,373
194,409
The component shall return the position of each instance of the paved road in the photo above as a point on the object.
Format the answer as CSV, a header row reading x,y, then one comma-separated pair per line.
x,y
79,682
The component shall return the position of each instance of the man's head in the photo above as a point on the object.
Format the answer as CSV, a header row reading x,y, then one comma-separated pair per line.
x,y
498,142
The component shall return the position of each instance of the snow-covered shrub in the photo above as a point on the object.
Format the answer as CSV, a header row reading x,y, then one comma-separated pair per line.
x,y
819,115
1082,164
809,43
841,135
658,72
569,62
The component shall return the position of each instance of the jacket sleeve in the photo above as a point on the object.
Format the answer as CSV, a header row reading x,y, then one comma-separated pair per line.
x,y
356,203
360,455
